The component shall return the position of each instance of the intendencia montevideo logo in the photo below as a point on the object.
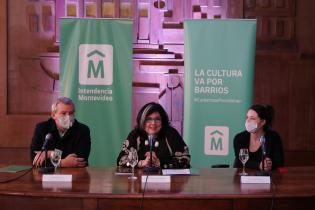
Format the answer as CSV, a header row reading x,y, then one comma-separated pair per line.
x,y
95,64
216,140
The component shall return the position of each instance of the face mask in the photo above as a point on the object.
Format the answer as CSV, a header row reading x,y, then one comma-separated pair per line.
x,y
66,121
251,127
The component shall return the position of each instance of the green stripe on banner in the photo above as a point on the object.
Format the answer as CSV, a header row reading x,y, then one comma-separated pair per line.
x,y
219,72
96,73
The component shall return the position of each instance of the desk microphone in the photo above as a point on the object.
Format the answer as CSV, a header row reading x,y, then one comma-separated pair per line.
x,y
151,140
263,149
151,167
45,169
262,141
47,139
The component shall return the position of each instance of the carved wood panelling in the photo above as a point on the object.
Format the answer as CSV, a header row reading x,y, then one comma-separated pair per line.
x,y
275,19
275,29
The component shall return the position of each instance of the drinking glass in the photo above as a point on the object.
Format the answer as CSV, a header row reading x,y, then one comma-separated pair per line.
x,y
55,158
243,156
132,161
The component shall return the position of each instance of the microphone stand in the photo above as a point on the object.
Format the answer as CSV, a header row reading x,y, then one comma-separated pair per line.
x,y
151,167
262,172
45,169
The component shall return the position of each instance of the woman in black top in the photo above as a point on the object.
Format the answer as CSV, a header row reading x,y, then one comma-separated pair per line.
x,y
169,149
258,124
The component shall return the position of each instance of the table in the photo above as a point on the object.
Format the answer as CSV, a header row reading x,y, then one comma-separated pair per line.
x,y
217,188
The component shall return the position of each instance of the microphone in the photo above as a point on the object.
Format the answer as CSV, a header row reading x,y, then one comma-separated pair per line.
x,y
45,169
262,141
47,139
151,167
151,140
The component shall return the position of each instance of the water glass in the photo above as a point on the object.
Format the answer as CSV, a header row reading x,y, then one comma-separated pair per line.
x,y
243,156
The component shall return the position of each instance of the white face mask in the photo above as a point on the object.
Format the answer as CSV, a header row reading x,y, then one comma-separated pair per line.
x,y
66,121
251,126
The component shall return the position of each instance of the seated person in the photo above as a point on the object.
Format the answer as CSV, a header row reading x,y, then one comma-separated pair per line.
x,y
258,124
67,135
169,149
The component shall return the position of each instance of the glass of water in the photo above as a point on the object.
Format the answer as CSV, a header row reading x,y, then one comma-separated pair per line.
x,y
55,158
133,161
243,156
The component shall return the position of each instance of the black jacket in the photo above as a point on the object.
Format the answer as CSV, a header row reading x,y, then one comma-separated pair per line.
x,y
273,146
76,140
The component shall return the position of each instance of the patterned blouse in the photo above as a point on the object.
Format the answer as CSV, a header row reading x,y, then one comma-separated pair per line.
x,y
169,147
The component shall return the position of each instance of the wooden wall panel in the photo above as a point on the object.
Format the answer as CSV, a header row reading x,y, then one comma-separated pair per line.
x,y
305,26
276,20
301,106
270,8
3,58
299,158
269,89
15,155
15,130
287,83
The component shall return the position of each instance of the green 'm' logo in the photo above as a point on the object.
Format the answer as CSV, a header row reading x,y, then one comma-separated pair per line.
x,y
99,70
216,140
216,143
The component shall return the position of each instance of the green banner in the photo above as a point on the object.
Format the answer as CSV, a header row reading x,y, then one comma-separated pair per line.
x,y
219,73
96,73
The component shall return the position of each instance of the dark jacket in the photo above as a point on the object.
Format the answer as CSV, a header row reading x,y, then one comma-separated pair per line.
x,y
76,140
273,146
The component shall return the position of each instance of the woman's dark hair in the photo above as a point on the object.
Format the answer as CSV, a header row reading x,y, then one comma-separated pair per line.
x,y
148,109
264,112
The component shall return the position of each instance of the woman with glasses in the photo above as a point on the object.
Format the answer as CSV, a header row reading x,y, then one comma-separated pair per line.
x,y
154,132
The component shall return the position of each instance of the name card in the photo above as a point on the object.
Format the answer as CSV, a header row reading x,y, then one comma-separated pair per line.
x,y
255,187
255,179
176,171
57,185
156,183
154,187
57,178
156,179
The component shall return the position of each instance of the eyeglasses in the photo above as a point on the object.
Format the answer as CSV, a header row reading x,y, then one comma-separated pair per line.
x,y
153,120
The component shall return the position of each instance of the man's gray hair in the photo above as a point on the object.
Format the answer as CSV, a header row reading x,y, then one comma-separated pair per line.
x,y
63,100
